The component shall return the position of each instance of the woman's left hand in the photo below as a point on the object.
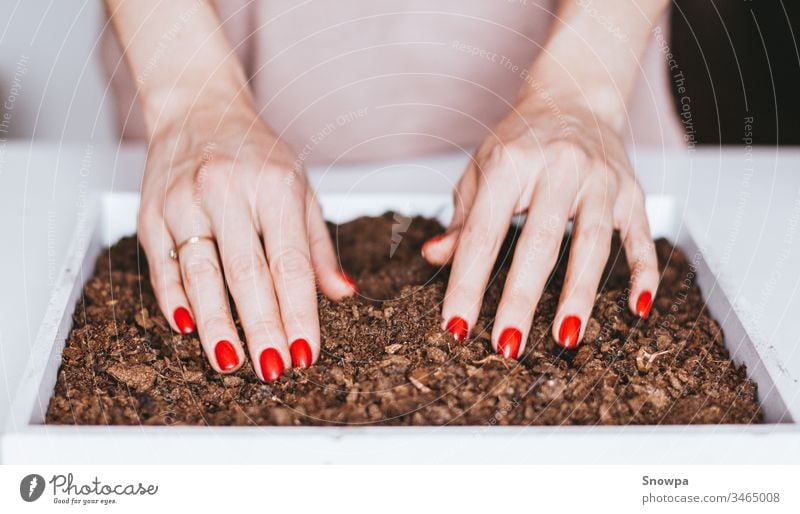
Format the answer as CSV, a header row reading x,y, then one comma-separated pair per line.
x,y
554,161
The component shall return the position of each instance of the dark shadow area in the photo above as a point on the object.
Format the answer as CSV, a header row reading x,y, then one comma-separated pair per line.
x,y
739,59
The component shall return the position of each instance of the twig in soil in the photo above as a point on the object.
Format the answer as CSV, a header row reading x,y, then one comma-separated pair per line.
x,y
645,360
492,358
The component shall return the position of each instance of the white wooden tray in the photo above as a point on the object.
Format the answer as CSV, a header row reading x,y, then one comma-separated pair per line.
x,y
111,216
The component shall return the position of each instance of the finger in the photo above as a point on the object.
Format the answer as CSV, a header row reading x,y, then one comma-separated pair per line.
x,y
438,250
165,274
475,254
250,284
334,282
534,258
203,280
640,250
589,248
286,241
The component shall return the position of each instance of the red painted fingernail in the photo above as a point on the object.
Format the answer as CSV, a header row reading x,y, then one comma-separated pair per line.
x,y
508,344
271,364
183,320
570,331
458,327
644,304
226,356
350,282
433,240
301,353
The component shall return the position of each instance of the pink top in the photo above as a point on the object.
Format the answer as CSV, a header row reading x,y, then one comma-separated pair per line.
x,y
353,80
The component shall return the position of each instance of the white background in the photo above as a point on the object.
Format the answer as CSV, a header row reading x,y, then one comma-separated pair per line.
x,y
63,91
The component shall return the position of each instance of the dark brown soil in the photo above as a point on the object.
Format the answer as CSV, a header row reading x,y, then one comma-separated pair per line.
x,y
386,361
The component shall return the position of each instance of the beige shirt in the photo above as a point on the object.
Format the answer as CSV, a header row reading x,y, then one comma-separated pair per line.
x,y
354,80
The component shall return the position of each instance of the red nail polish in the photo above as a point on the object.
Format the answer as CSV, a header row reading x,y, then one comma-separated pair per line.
x,y
458,327
433,240
183,320
301,353
570,332
644,304
271,364
350,282
509,342
226,356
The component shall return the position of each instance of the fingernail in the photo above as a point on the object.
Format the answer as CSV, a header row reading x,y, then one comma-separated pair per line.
x,y
226,356
350,282
508,344
301,353
433,240
458,327
644,304
570,331
183,320
271,364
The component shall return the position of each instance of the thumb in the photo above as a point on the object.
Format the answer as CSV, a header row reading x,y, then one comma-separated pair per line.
x,y
438,250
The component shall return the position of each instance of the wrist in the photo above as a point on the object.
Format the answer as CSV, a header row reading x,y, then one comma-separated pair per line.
x,y
585,65
169,105
605,102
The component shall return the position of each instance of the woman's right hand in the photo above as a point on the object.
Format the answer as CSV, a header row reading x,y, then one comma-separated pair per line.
x,y
220,173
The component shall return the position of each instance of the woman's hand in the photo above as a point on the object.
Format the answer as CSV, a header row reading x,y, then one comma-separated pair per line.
x,y
223,191
557,155
220,173
555,162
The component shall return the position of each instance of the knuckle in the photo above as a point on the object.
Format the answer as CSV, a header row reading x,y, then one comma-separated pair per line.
x,y
215,321
213,180
598,182
568,151
162,278
497,156
518,295
319,241
298,314
178,206
478,241
277,175
199,271
632,215
176,190
544,241
600,227
506,160
212,190
243,267
284,172
149,215
595,235
284,200
463,291
265,327
459,196
636,194
643,265
157,282
644,252
291,264
490,156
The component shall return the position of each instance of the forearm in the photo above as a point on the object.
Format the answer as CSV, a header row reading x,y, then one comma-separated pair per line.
x,y
593,53
178,54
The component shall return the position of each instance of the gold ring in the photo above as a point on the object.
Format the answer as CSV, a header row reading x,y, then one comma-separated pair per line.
x,y
173,252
